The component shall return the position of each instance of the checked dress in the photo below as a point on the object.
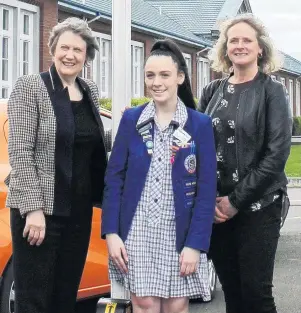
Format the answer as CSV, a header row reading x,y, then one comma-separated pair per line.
x,y
154,268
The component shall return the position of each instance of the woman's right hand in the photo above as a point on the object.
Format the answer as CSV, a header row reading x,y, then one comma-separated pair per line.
x,y
35,227
117,251
123,110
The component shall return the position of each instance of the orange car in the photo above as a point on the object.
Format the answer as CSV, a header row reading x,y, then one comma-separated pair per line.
x,y
95,280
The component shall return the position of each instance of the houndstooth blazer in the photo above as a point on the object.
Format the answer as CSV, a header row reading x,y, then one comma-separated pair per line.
x,y
32,143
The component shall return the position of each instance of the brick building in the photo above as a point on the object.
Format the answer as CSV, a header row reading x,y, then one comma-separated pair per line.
x,y
25,26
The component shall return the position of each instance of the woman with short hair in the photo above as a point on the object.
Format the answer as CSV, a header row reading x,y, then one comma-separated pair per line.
x,y
58,158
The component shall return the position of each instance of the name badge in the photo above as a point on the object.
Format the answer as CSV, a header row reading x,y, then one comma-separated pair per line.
x,y
181,135
145,129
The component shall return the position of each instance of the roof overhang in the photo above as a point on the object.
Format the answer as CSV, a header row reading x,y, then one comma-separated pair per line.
x,y
79,8
289,72
83,9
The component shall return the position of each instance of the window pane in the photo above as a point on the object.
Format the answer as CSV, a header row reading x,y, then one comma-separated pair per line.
x,y
5,24
136,79
5,48
5,70
4,93
25,51
25,68
136,54
103,76
104,46
26,25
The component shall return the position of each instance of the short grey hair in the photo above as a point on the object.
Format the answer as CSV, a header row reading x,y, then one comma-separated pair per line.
x,y
78,27
270,61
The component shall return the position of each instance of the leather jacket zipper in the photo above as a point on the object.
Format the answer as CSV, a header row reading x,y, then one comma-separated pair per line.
x,y
236,139
215,106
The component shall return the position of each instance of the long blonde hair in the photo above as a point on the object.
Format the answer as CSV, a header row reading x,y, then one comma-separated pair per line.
x,y
270,60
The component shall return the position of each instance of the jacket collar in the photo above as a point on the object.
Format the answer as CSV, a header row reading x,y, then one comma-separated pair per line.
x,y
56,82
149,114
259,77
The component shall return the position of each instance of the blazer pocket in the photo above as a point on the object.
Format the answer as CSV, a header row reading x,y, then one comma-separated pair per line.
x,y
43,173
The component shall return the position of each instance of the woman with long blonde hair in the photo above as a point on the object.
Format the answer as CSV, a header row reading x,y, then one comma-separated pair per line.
x,y
252,126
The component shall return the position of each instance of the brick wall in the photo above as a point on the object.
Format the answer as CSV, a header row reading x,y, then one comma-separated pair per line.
x,y
48,19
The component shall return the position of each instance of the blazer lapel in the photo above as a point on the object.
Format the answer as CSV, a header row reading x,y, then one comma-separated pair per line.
x,y
179,158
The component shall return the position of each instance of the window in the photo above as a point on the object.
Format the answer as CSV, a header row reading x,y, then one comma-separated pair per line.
x,y
26,43
273,77
187,58
282,80
203,74
85,72
137,69
298,99
18,44
101,66
291,94
6,48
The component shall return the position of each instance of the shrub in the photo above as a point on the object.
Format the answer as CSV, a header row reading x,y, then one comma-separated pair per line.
x,y
297,126
107,103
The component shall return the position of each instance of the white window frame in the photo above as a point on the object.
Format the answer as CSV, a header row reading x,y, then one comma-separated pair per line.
x,y
188,61
298,98
282,80
26,38
16,37
274,77
203,76
103,64
9,36
137,81
291,94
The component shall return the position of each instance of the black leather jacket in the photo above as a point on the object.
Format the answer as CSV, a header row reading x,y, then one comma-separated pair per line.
x,y
263,136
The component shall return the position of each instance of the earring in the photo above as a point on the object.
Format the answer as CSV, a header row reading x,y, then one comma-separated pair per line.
x,y
260,56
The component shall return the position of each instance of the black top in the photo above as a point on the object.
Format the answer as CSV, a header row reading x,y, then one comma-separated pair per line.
x,y
224,123
87,140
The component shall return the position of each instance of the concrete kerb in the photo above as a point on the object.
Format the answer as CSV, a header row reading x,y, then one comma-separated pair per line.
x,y
294,190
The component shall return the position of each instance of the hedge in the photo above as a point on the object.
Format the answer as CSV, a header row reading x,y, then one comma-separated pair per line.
x,y
106,103
297,126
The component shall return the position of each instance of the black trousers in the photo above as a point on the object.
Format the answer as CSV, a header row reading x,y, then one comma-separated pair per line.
x,y
243,251
47,277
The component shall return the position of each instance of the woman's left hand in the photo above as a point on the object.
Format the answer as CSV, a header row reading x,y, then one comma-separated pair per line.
x,y
226,207
189,261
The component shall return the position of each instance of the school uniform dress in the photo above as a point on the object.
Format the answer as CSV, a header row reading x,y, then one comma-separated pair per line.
x,y
154,268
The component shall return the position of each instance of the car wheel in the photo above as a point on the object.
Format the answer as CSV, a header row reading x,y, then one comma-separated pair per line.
x,y
7,295
212,278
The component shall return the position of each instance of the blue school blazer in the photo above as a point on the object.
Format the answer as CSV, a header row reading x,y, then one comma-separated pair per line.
x,y
126,174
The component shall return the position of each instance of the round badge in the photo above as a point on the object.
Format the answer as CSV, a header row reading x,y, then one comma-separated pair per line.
x,y
190,163
149,144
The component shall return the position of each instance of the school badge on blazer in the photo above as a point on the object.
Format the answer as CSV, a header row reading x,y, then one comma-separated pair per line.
x,y
109,305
